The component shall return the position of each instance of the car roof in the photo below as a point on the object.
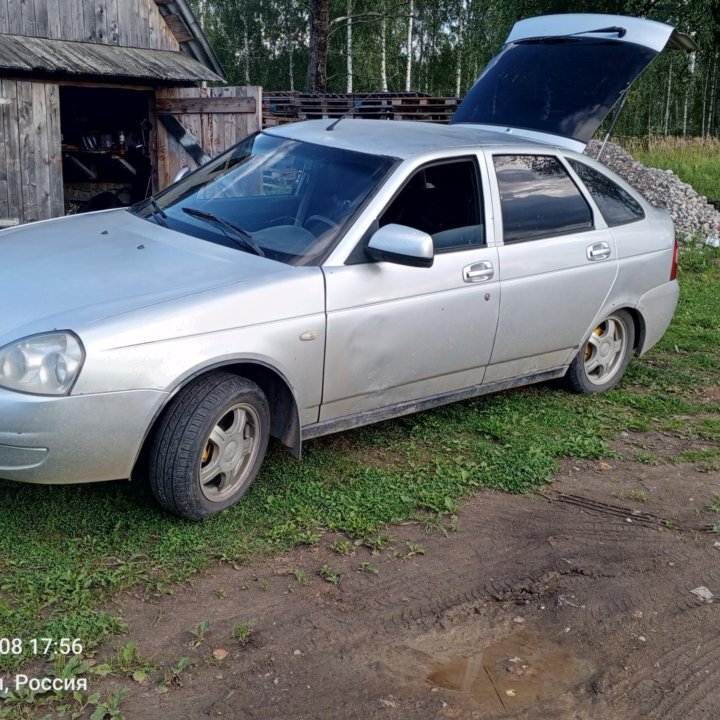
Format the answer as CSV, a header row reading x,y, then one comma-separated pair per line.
x,y
398,138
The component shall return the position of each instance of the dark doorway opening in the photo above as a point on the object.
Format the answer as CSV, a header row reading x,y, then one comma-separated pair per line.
x,y
105,146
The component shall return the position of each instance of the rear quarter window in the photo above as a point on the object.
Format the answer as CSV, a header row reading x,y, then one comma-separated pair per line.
x,y
538,198
617,206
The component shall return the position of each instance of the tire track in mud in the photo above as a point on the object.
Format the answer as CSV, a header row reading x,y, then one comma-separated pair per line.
x,y
509,556
675,680
691,681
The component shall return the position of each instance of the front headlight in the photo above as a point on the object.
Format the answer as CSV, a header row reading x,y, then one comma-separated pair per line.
x,y
46,364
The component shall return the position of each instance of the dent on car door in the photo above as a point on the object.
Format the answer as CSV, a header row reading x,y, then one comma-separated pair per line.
x,y
397,333
556,267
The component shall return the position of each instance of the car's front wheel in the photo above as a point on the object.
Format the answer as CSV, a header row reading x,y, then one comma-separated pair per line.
x,y
604,356
209,445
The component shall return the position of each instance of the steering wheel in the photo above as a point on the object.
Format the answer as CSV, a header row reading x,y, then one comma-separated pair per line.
x,y
324,220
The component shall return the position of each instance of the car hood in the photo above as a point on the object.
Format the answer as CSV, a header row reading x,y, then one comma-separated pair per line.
x,y
558,76
65,273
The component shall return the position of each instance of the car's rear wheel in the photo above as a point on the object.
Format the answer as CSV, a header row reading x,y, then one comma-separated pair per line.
x,y
604,356
209,445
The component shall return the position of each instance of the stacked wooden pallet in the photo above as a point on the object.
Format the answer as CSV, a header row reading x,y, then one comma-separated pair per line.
x,y
288,106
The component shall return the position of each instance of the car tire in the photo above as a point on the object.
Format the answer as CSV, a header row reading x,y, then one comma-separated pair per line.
x,y
604,356
209,445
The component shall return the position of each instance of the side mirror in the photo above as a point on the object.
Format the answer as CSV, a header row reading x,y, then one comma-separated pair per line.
x,y
181,173
402,245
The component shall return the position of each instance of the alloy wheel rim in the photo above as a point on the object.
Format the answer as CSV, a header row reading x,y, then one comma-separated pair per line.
x,y
229,452
604,350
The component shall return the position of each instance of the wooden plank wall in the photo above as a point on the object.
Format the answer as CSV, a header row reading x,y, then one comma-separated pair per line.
x,y
30,155
128,23
216,131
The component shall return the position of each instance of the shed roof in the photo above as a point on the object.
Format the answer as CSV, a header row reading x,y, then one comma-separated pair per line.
x,y
21,55
194,43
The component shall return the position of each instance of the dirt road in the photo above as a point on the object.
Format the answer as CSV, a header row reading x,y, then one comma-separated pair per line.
x,y
576,604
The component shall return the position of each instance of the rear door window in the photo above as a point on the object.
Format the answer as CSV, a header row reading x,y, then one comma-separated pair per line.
x,y
538,198
617,206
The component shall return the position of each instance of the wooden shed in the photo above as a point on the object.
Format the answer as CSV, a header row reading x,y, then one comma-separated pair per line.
x,y
107,96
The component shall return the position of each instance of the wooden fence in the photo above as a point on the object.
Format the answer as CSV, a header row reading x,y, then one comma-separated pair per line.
x,y
214,119
30,159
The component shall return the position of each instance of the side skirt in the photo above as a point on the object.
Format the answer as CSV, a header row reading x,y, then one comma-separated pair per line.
x,y
388,412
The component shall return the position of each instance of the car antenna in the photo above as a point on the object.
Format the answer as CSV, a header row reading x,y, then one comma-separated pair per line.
x,y
351,111
614,119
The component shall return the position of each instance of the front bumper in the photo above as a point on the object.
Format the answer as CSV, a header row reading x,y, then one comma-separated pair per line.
x,y
73,439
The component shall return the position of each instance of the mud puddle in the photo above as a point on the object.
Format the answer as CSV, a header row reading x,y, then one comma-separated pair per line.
x,y
515,673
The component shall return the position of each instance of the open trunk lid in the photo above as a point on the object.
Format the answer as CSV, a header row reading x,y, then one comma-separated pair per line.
x,y
558,76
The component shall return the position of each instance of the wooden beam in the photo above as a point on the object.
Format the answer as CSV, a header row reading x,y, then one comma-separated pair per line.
x,y
43,159
54,26
27,16
27,152
144,23
125,164
41,19
90,173
57,191
184,106
179,29
4,204
4,26
11,140
184,137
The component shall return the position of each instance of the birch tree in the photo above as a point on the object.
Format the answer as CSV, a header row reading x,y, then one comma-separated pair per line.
x,y
383,48
349,47
409,48
459,47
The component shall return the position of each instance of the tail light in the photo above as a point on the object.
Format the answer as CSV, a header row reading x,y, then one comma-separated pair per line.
x,y
674,268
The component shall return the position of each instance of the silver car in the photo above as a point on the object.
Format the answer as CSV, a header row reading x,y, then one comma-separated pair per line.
x,y
325,275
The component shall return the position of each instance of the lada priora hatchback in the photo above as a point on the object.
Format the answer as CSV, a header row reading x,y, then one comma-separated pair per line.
x,y
327,274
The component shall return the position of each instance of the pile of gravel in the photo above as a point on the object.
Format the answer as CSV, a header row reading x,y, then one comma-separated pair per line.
x,y
692,214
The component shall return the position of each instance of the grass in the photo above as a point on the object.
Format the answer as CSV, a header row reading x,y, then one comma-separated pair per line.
x,y
65,551
242,632
635,495
694,160
714,505
646,458
329,575
342,547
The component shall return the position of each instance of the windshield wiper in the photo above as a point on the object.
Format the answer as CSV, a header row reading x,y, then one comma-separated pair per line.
x,y
156,212
242,238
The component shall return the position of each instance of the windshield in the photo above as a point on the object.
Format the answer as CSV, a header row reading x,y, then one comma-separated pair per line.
x,y
289,199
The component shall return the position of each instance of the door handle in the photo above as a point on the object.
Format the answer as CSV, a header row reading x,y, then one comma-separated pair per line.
x,y
599,251
478,272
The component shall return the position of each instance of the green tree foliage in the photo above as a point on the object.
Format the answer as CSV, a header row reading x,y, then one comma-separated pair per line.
x,y
267,42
